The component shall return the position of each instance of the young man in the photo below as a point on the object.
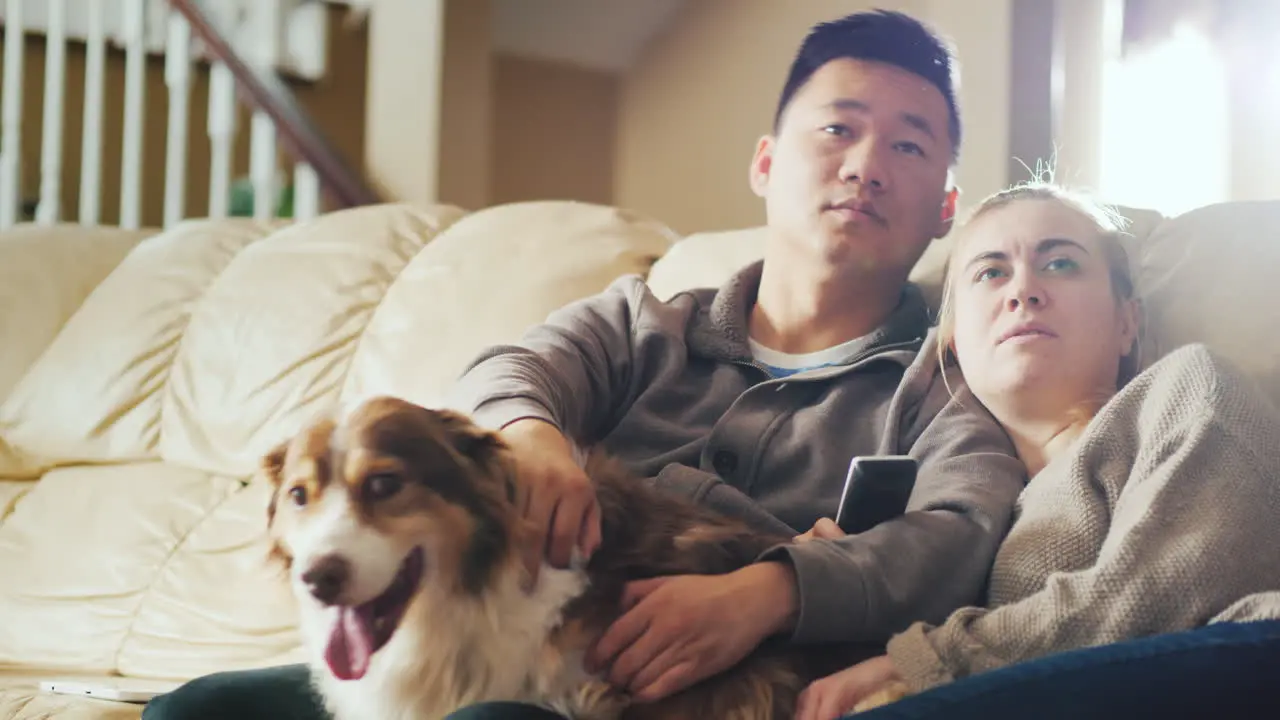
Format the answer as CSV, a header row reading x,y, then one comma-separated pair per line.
x,y
753,398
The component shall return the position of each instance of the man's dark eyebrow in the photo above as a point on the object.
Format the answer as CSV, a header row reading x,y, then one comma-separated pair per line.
x,y
849,104
919,123
910,119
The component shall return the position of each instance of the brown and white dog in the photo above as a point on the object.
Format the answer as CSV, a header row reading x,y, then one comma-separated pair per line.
x,y
400,528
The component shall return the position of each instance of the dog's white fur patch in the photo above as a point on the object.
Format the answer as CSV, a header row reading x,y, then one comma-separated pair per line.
x,y
333,529
449,651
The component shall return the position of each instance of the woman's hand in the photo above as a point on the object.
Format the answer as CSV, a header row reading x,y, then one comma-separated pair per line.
x,y
824,529
866,685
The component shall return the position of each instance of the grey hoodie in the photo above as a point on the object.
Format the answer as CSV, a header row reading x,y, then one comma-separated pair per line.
x,y
672,390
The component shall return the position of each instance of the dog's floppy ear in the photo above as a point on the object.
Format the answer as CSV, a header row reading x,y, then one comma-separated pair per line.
x,y
470,439
272,463
272,468
484,447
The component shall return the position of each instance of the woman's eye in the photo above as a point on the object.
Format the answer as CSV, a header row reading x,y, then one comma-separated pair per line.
x,y
382,486
986,274
837,130
298,495
1061,264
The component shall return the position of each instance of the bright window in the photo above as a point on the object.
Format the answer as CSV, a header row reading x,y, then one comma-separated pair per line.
x,y
1165,136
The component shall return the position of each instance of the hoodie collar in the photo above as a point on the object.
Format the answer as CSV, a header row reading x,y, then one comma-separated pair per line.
x,y
720,330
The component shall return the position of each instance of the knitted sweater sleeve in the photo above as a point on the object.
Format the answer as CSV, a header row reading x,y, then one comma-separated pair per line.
x,y
1187,531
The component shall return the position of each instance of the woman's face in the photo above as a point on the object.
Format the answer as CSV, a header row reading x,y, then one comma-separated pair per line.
x,y
1034,308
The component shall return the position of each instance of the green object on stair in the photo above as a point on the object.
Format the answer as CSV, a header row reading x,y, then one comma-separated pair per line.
x,y
241,203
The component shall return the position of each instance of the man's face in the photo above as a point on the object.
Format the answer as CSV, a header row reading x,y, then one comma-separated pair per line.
x,y
857,171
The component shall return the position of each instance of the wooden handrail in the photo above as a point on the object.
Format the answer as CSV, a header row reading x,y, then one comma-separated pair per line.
x,y
261,87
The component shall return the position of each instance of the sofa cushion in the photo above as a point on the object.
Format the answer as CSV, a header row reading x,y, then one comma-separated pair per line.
x,y
708,259
45,274
485,281
22,699
95,394
1212,276
217,592
130,568
212,342
269,343
705,259
10,492
81,551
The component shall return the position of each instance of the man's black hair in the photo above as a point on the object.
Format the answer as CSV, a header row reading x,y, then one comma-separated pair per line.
x,y
880,36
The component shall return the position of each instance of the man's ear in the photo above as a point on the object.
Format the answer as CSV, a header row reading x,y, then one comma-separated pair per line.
x,y
946,219
761,165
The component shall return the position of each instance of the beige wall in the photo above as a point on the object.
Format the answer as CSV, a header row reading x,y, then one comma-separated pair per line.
x,y
335,103
982,31
554,132
467,105
1031,87
407,45
514,128
701,96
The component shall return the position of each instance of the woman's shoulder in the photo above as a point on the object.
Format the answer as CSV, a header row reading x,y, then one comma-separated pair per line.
x,y
1195,381
1193,368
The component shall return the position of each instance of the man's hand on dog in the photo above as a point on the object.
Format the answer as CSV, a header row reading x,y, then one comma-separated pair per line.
x,y
676,631
555,495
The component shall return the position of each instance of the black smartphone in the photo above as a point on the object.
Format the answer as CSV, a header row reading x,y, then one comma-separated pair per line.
x,y
876,489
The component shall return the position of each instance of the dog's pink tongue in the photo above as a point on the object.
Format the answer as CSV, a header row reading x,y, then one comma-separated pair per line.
x,y
350,644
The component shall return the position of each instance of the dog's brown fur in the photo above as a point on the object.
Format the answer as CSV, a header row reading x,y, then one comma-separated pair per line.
x,y
648,534
459,483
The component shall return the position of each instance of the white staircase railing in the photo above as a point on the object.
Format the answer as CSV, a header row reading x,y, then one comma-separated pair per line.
x,y
269,34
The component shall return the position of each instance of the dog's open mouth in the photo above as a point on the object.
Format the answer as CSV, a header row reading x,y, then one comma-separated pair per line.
x,y
360,631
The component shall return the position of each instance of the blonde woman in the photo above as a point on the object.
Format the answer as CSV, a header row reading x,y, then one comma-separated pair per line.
x,y
1154,501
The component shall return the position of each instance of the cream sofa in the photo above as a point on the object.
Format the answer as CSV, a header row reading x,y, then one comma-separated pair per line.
x,y
142,374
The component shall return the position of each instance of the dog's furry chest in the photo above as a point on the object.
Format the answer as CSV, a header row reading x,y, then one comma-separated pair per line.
x,y
448,654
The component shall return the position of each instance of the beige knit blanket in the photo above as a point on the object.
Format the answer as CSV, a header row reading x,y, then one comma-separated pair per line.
x,y
1164,517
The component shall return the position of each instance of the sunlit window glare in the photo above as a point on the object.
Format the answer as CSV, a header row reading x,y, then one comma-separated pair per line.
x,y
1273,90
1165,140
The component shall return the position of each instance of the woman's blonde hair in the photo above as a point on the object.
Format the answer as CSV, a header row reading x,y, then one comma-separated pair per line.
x,y
1111,227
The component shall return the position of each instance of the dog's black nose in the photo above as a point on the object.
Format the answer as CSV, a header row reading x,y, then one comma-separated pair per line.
x,y
326,578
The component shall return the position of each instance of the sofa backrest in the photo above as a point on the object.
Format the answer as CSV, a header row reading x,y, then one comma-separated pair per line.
x,y
1212,275
214,340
